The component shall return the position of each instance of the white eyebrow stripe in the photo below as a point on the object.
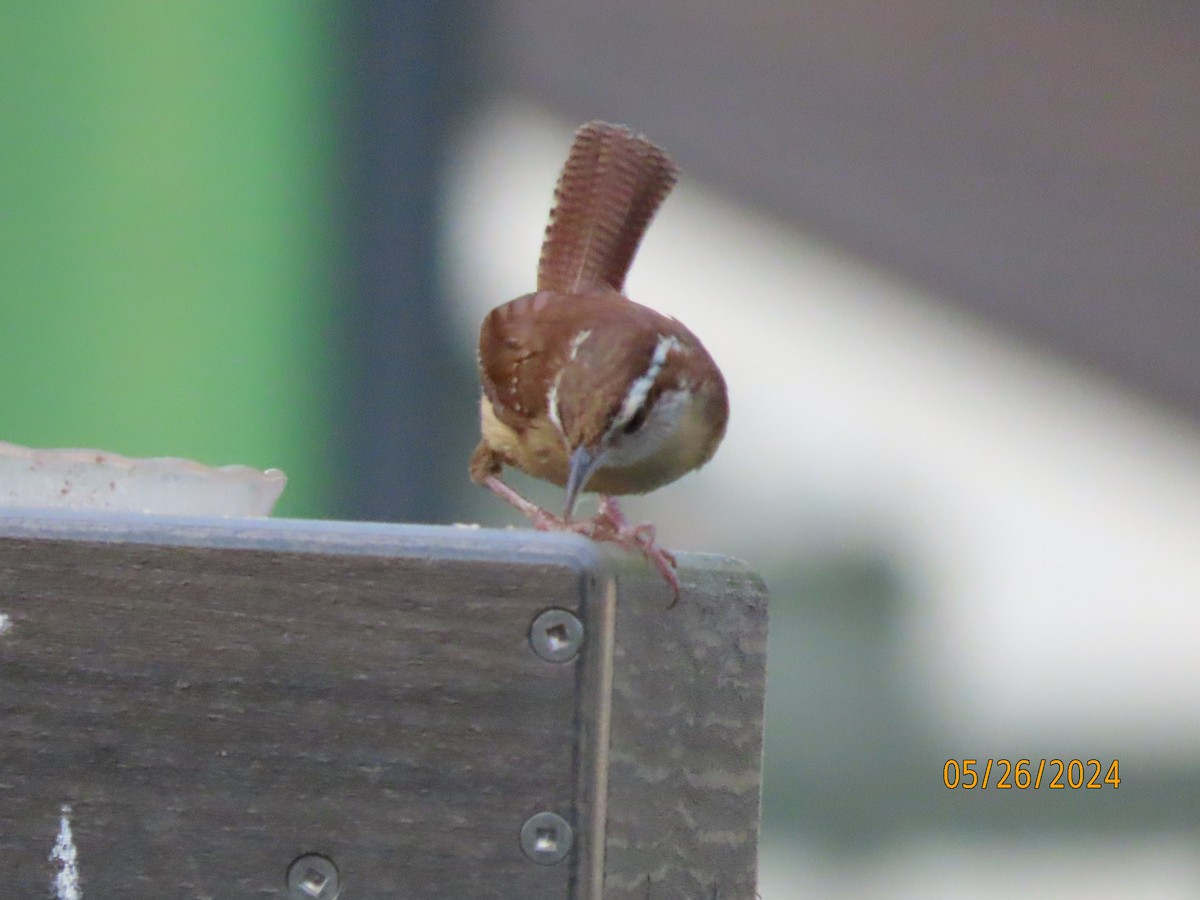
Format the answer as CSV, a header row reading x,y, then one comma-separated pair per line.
x,y
640,389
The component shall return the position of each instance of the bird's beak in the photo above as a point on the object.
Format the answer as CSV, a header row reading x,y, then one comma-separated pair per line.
x,y
583,463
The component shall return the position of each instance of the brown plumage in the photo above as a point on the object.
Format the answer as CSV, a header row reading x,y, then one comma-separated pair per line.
x,y
610,188
583,387
526,343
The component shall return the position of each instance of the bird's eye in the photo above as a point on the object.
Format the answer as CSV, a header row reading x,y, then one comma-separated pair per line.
x,y
638,420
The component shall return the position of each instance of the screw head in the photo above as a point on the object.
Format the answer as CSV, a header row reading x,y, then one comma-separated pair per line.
x,y
312,877
546,838
556,635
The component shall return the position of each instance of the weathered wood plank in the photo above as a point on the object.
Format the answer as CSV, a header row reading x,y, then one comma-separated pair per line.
x,y
685,743
215,698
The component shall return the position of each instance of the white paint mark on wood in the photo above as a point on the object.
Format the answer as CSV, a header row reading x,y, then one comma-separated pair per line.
x,y
5,623
64,855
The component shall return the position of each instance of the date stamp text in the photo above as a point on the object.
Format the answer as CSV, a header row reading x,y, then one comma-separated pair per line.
x,y
1025,774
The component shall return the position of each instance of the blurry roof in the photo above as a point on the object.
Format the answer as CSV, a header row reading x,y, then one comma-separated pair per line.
x,y
1038,163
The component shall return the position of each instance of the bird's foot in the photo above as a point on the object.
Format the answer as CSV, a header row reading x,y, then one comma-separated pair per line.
x,y
609,525
541,519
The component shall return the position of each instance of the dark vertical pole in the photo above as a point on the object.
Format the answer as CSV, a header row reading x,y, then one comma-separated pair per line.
x,y
407,394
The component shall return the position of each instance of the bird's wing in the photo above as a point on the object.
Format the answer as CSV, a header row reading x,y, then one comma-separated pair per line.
x,y
515,358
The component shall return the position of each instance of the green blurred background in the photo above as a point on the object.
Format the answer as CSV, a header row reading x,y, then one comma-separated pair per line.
x,y
165,234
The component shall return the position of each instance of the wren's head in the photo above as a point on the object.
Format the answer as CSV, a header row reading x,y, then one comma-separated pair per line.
x,y
637,400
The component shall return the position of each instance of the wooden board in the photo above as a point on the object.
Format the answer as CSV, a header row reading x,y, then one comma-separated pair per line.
x,y
212,699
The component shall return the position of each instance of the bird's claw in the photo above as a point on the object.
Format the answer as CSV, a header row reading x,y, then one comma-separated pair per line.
x,y
609,525
547,521
641,538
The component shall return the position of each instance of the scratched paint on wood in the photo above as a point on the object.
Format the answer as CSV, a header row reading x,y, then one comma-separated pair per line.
x,y
65,858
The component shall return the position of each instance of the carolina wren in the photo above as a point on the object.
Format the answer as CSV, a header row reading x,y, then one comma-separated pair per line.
x,y
583,387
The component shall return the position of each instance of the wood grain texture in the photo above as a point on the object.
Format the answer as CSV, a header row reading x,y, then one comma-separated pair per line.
x,y
684,774
215,698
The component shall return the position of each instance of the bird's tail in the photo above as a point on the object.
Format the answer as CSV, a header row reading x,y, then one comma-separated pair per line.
x,y
610,188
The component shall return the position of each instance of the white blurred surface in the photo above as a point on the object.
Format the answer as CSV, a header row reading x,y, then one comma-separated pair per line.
x,y
95,479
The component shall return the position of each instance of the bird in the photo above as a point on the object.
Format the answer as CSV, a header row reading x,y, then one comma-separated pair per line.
x,y
583,387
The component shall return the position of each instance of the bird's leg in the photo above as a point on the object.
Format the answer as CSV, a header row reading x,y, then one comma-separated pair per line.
x,y
541,519
611,525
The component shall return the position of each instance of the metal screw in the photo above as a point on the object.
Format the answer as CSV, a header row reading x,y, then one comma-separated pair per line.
x,y
312,877
546,838
556,635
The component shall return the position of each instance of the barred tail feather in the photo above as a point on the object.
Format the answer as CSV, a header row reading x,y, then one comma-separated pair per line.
x,y
610,188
